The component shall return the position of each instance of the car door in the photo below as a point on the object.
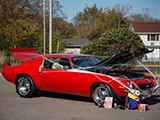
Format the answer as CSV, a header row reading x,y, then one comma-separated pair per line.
x,y
55,78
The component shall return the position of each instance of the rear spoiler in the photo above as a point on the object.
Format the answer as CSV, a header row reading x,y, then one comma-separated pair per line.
x,y
24,54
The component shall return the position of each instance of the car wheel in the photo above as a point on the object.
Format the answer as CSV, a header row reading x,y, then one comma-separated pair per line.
x,y
99,92
25,86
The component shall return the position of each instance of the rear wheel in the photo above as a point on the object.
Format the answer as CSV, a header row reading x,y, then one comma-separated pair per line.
x,y
99,92
25,86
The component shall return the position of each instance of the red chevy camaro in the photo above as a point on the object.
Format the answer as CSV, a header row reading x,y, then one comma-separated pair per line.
x,y
77,74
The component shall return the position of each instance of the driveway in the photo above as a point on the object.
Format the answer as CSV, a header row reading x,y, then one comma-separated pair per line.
x,y
54,106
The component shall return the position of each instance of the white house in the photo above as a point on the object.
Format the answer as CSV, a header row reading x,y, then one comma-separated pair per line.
x,y
149,32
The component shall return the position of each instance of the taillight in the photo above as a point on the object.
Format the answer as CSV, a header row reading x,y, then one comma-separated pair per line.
x,y
5,65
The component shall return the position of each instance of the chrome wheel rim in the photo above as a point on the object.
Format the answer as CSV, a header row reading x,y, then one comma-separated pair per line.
x,y
100,93
23,86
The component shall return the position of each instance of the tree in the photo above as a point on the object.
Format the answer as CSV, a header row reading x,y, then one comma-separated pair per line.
x,y
84,21
55,39
62,28
21,9
23,33
102,24
94,21
3,43
109,19
119,13
21,23
115,41
146,16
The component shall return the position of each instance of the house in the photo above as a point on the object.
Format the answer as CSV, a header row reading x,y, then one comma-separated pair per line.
x,y
149,32
74,45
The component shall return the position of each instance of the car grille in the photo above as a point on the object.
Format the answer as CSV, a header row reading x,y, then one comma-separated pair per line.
x,y
144,86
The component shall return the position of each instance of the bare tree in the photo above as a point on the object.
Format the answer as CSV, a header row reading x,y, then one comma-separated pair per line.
x,y
146,16
119,12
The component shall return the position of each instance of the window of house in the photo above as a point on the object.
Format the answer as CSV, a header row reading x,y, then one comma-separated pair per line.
x,y
153,37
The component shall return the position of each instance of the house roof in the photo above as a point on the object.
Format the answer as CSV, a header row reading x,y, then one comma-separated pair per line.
x,y
76,42
146,27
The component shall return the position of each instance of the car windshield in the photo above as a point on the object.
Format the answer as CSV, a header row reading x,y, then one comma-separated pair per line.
x,y
84,61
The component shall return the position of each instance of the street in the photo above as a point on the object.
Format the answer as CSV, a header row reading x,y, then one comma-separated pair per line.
x,y
56,106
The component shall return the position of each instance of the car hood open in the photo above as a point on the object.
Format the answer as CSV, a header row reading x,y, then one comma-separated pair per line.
x,y
123,57
24,54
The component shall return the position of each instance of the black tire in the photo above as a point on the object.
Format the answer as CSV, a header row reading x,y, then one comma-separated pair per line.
x,y
25,86
100,91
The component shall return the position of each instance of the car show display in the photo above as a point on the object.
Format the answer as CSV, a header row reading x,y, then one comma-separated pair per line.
x,y
80,74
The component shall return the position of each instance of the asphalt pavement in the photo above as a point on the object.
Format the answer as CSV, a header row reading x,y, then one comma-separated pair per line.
x,y
55,106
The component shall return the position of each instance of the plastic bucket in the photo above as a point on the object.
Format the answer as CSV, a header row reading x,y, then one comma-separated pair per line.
x,y
142,107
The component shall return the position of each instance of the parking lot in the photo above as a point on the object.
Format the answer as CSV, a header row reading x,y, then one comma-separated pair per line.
x,y
55,106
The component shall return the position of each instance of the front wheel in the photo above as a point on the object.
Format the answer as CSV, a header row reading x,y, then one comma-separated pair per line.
x,y
25,86
99,92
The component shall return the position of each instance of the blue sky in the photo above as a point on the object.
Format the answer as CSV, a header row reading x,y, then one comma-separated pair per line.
x,y
71,7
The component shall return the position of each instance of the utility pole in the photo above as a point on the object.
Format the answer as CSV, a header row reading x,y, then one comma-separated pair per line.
x,y
159,54
50,28
57,46
44,29
14,42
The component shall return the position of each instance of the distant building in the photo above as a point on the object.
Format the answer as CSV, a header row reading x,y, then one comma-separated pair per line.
x,y
149,32
74,45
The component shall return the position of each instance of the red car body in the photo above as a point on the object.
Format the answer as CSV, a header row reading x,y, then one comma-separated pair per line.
x,y
74,81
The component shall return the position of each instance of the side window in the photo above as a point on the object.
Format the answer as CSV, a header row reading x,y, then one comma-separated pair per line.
x,y
47,63
65,63
56,63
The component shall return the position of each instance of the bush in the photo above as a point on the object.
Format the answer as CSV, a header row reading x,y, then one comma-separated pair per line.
x,y
2,58
113,42
7,58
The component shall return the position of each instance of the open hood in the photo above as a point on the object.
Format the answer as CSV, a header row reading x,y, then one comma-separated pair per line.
x,y
24,54
123,57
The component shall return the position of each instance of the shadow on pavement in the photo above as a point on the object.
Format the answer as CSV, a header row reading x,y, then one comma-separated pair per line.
x,y
63,96
154,99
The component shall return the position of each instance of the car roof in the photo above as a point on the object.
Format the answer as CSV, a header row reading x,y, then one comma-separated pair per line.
x,y
64,55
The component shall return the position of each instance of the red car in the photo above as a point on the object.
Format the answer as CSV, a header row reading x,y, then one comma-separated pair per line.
x,y
77,74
